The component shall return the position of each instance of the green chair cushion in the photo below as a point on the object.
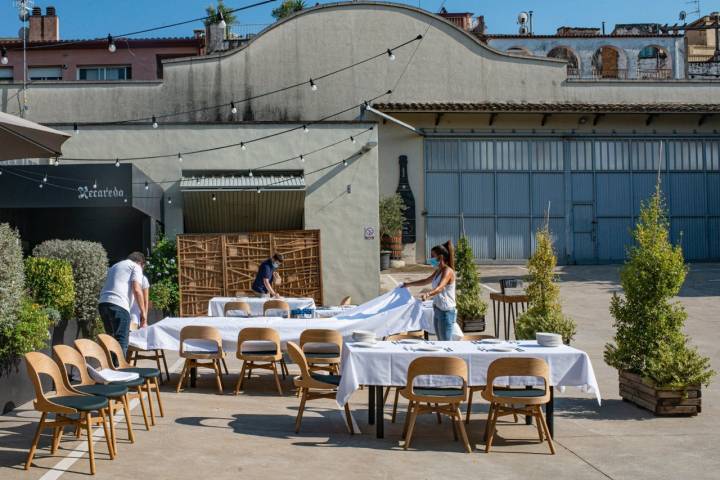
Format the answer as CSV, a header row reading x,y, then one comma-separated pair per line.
x,y
331,379
259,353
81,403
438,392
108,391
316,355
519,393
143,372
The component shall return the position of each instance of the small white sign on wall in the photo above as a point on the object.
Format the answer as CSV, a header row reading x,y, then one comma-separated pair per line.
x,y
369,233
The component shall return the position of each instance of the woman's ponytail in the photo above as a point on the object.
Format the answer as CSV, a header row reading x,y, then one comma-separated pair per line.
x,y
450,260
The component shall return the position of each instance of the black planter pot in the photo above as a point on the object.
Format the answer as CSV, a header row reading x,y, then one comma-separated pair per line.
x,y
472,325
384,260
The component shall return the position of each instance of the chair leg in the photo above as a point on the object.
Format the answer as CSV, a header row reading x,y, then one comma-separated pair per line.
x,y
128,420
164,359
538,423
454,429
395,405
437,413
36,438
298,420
157,394
218,375
181,380
469,407
348,418
284,369
159,365
492,419
142,406
227,372
238,385
108,438
387,394
91,452
411,427
149,400
277,378
461,427
134,358
407,419
547,433
111,413
55,439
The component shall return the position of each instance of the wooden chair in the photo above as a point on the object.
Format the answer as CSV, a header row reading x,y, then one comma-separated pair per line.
x,y
313,385
505,401
437,400
205,358
151,375
471,337
322,349
156,355
237,306
276,305
346,301
264,359
66,356
415,335
68,406
91,350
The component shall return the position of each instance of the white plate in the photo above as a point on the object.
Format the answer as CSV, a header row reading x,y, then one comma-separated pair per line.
x,y
366,345
501,349
427,348
410,341
491,340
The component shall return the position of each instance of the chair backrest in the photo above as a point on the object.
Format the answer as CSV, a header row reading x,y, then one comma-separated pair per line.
x,y
298,358
432,365
406,336
276,305
321,335
38,363
478,336
200,332
519,367
66,356
112,346
235,306
90,349
346,301
258,334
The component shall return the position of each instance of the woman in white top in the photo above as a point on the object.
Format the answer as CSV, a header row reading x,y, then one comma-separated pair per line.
x,y
443,289
135,317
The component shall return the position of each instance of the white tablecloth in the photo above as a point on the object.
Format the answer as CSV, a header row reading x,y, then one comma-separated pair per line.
x,y
388,366
217,304
329,312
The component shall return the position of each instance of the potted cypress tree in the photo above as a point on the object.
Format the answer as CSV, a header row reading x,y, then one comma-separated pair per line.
x,y
471,307
544,313
658,368
391,225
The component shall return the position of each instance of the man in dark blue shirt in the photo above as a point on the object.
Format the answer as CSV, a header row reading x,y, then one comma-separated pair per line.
x,y
265,276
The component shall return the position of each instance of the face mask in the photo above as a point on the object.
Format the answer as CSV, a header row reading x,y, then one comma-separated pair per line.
x,y
275,265
434,262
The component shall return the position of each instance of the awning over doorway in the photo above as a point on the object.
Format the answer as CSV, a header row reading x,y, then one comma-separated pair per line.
x,y
226,204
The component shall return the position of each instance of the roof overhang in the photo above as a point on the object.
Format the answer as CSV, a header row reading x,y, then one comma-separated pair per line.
x,y
554,108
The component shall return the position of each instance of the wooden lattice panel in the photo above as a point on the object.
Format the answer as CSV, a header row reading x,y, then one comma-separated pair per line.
x,y
226,265
200,272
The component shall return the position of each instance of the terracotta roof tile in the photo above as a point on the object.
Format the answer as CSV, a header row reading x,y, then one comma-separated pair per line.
x,y
522,107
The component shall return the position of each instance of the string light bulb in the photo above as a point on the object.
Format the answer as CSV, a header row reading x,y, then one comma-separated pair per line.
x,y
57,161
214,197
45,178
313,86
3,56
169,200
111,44
258,190
302,158
94,183
147,186
242,146
117,162
233,108
345,164
352,139
250,174
391,55
180,159
154,122
40,186
305,129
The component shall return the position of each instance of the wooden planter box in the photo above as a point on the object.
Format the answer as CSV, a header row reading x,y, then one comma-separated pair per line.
x,y
472,326
660,401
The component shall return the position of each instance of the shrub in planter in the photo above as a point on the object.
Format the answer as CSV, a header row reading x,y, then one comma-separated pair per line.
x,y
12,280
471,307
28,333
49,282
544,313
89,266
650,348
162,272
391,224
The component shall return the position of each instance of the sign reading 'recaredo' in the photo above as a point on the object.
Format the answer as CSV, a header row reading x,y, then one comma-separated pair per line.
x,y
87,193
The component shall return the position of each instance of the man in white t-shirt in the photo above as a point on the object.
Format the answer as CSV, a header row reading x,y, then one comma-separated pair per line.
x,y
135,321
123,283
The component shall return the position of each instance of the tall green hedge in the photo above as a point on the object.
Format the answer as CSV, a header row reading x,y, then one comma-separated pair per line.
x,y
162,272
12,277
89,265
49,281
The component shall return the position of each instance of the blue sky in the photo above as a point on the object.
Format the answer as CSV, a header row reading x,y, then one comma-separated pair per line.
x,y
96,18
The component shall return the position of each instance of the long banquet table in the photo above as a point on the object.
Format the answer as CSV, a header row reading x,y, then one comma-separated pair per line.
x,y
387,366
216,305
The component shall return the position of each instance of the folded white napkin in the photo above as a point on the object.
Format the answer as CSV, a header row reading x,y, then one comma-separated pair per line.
x,y
107,375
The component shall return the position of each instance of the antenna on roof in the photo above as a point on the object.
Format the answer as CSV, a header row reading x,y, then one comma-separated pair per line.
x,y
695,11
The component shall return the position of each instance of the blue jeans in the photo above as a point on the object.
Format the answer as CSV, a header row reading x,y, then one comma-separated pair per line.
x,y
444,320
116,321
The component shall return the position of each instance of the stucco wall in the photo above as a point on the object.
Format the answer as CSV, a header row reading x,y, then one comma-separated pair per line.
x,y
349,262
